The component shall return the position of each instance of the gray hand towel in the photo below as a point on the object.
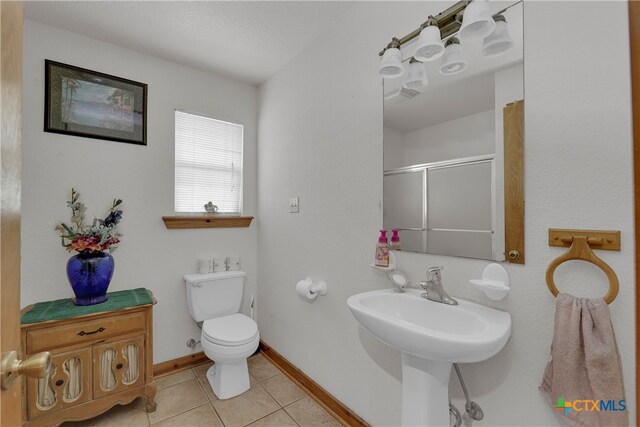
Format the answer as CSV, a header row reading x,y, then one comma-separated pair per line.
x,y
584,367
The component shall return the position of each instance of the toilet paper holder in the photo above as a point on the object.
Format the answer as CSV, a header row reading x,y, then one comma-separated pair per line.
x,y
307,289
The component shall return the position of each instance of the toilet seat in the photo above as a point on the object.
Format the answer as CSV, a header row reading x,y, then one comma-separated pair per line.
x,y
230,331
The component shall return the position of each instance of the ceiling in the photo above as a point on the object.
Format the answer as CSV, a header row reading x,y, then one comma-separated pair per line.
x,y
248,41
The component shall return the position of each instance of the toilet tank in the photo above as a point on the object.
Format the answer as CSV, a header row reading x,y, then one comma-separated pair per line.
x,y
214,294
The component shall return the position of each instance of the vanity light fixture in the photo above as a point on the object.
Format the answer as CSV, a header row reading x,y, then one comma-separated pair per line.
x,y
466,20
391,65
453,60
477,22
499,41
416,75
430,46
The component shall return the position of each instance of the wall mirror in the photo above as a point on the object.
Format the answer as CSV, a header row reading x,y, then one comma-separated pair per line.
x,y
453,149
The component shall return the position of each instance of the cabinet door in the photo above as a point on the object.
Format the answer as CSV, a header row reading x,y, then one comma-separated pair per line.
x,y
68,384
118,365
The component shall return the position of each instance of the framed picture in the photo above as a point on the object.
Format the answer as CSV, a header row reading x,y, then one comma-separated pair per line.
x,y
87,103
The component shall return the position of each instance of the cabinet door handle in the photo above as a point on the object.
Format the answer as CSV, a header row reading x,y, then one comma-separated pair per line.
x,y
83,333
119,366
59,382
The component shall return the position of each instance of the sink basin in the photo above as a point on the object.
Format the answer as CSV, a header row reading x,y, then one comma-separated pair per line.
x,y
431,336
466,332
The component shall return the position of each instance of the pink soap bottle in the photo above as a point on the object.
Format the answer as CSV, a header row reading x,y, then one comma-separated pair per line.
x,y
382,250
395,240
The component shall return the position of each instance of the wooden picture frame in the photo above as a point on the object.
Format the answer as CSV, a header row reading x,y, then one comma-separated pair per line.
x,y
91,104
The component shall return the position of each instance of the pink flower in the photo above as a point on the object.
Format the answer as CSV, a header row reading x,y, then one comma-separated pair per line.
x,y
85,243
111,241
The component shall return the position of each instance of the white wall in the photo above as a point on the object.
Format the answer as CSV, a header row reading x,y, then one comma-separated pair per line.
x,y
467,136
150,255
329,135
393,148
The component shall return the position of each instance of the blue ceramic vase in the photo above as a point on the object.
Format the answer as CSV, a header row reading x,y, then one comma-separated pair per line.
x,y
89,275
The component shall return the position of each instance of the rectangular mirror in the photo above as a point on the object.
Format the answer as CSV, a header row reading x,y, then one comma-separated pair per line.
x,y
453,150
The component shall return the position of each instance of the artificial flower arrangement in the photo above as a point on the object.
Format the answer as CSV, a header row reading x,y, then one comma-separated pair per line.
x,y
100,236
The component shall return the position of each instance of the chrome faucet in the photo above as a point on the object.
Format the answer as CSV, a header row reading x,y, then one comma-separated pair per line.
x,y
433,287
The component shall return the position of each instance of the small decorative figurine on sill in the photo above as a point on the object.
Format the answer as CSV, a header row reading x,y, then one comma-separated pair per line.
x,y
211,208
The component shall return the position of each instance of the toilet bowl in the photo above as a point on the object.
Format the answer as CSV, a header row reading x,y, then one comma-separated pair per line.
x,y
228,337
228,341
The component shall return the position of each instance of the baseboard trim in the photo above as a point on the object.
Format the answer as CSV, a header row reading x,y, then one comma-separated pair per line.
x,y
179,364
323,397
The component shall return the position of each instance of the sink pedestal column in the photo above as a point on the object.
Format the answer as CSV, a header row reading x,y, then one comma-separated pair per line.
x,y
425,392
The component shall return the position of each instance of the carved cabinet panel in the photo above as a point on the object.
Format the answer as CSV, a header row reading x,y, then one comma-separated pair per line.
x,y
68,384
118,365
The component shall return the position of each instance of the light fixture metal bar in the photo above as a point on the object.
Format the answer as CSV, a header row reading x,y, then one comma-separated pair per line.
x,y
447,20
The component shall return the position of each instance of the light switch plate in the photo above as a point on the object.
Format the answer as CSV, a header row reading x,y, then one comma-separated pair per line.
x,y
294,207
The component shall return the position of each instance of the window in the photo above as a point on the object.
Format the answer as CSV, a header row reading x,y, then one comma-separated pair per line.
x,y
208,164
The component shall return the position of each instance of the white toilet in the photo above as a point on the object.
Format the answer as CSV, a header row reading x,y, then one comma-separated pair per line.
x,y
228,337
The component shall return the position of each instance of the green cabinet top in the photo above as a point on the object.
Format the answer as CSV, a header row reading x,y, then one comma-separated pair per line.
x,y
66,309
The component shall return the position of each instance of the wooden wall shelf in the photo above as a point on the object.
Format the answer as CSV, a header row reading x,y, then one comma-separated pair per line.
x,y
206,221
608,240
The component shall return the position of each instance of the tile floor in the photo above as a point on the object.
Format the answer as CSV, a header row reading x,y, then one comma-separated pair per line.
x,y
185,399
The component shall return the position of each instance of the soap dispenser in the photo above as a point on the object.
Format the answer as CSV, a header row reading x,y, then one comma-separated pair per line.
x,y
395,239
382,250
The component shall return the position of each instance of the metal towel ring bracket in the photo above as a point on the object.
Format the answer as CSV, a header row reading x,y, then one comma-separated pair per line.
x,y
581,250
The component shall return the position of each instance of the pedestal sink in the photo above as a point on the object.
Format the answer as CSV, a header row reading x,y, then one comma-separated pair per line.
x,y
432,336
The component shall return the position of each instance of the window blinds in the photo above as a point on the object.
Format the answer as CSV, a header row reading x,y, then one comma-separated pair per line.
x,y
208,164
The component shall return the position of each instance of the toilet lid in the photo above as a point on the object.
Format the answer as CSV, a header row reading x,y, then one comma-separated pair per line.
x,y
232,330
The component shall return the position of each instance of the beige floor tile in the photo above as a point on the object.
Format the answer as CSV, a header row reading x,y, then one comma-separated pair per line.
x,y
306,412
208,391
171,379
201,374
202,416
277,419
283,390
260,368
246,408
177,399
202,369
131,415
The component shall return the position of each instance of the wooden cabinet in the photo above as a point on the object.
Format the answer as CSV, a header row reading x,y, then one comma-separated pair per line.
x,y
99,360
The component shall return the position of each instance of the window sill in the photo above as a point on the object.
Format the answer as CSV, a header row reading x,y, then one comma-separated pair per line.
x,y
206,221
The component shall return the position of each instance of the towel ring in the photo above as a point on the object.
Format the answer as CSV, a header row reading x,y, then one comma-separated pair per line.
x,y
580,249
